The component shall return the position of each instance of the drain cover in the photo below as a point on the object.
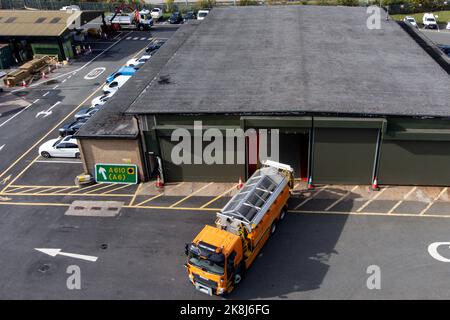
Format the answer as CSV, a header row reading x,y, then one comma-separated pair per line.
x,y
44,268
94,208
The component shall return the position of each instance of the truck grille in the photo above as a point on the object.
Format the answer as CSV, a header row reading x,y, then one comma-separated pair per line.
x,y
206,282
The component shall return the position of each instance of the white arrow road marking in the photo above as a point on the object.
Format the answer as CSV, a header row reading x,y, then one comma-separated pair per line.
x,y
5,122
1,148
47,112
55,252
432,250
102,171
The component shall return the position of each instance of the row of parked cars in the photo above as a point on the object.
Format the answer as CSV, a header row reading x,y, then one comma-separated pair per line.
x,y
428,21
65,145
177,17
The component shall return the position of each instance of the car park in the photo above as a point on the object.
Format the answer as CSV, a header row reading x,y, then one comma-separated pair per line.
x,y
136,63
154,46
61,147
176,18
86,112
124,71
72,127
116,84
190,15
411,21
201,14
429,21
156,13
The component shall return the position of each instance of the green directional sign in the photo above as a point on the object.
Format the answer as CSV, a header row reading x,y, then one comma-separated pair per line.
x,y
116,173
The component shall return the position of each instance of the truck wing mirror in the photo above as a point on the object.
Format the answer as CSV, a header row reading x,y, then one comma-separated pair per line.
x,y
186,249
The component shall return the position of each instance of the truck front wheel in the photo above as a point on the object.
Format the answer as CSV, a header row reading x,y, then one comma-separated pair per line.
x,y
273,228
237,278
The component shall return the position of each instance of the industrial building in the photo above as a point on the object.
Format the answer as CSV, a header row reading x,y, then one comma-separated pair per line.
x,y
30,33
352,104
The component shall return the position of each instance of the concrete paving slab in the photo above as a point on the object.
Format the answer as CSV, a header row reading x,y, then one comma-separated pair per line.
x,y
94,208
380,206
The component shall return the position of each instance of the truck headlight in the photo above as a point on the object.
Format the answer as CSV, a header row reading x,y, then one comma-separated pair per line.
x,y
220,290
191,277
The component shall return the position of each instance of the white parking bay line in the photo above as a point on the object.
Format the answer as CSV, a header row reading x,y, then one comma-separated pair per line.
x,y
57,161
370,200
311,197
341,198
401,201
143,38
127,38
135,38
45,94
432,202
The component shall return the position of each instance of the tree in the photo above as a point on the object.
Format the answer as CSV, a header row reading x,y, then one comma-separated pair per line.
x,y
352,3
169,5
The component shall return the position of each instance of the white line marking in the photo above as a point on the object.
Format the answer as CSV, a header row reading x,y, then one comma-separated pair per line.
x,y
64,81
341,198
433,251
128,38
370,200
401,201
135,38
57,161
432,202
1,148
55,86
45,94
311,197
12,117
36,101
143,38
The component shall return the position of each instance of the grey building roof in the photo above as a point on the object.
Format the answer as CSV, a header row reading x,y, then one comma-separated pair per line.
x,y
111,120
293,59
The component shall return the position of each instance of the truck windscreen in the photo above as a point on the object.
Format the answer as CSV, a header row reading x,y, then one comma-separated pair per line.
x,y
207,261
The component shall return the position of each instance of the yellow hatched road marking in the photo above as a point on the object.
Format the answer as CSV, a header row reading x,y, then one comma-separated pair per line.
x,y
401,201
341,198
189,196
98,189
219,196
370,200
67,194
311,197
84,189
159,195
432,202
64,189
372,214
135,194
118,188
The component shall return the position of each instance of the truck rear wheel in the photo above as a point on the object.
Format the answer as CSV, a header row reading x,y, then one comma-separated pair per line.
x,y
283,213
237,278
273,228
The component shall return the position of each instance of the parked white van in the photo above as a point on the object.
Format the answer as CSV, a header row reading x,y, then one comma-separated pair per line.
x,y
429,21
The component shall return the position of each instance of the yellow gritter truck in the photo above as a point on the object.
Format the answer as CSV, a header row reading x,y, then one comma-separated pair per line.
x,y
219,256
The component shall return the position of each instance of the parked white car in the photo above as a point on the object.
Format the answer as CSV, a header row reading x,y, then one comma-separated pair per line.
x,y
101,100
201,14
66,147
116,84
411,21
156,13
448,26
429,21
137,63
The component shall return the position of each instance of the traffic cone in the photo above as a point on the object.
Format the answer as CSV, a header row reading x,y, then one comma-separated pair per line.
x,y
240,184
24,83
310,184
159,183
375,186
90,50
44,75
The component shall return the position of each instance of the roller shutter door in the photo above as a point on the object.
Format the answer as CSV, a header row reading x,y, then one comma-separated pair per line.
x,y
343,155
197,172
410,162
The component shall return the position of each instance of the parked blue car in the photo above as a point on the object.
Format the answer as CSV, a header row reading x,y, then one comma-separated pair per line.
x,y
124,71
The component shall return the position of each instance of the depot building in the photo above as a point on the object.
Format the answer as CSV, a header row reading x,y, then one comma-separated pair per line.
x,y
351,104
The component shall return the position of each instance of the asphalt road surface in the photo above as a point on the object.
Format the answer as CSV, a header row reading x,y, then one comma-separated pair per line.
x,y
140,256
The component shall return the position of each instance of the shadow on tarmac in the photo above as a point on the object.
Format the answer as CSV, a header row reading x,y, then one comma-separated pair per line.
x,y
295,259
